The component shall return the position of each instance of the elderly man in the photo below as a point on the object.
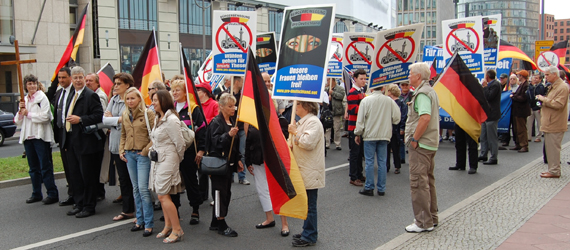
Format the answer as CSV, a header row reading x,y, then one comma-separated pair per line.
x,y
489,137
376,115
520,110
554,120
85,151
422,138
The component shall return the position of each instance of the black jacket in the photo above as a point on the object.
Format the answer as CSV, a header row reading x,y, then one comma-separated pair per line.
x,y
520,107
493,95
219,141
253,149
88,107
532,92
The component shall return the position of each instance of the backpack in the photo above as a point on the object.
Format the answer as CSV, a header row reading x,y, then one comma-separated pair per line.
x,y
187,134
326,117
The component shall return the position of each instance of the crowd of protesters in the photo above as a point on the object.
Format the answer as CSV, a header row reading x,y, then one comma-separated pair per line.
x,y
155,165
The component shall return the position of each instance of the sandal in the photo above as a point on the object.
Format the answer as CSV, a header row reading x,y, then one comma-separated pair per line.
x,y
122,216
163,233
397,171
173,240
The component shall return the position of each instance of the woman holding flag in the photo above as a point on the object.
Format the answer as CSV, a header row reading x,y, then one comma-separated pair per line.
x,y
191,114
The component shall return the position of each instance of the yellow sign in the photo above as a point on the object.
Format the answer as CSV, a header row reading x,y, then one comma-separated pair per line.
x,y
541,46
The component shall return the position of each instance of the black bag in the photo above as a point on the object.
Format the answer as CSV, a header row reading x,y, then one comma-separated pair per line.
x,y
326,117
153,155
210,165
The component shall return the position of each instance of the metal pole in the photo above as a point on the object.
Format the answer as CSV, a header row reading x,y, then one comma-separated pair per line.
x,y
203,7
542,23
40,17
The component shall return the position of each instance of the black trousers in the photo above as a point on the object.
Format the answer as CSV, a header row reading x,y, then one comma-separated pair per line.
x,y
189,170
84,170
394,145
223,184
125,184
356,155
67,171
462,140
204,182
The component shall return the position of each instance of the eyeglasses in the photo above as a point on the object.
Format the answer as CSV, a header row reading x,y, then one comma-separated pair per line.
x,y
149,89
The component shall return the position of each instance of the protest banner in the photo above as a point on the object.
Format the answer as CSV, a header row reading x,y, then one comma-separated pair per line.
x,y
433,52
491,35
205,72
396,49
233,34
358,51
465,36
335,61
302,58
266,52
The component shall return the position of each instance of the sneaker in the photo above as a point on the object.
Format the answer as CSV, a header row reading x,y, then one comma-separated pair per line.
x,y
301,243
452,138
244,182
413,228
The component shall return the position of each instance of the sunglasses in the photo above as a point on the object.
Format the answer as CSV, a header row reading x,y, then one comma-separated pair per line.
x,y
149,89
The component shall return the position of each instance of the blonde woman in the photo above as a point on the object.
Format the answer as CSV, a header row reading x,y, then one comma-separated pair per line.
x,y
36,134
133,149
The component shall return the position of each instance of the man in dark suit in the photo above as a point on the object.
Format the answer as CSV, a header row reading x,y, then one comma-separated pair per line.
x,y
489,137
520,111
84,151
60,99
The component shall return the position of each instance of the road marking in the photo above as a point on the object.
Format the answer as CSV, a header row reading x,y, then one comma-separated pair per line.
x,y
101,228
74,235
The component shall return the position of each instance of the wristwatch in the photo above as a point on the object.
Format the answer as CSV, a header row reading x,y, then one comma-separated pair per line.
x,y
414,139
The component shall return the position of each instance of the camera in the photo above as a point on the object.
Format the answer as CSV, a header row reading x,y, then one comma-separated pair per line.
x,y
539,104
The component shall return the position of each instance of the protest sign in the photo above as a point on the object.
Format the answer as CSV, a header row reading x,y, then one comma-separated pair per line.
x,y
491,35
465,36
232,34
337,51
266,52
358,51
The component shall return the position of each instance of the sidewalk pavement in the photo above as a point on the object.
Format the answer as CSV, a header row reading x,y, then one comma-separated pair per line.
x,y
521,211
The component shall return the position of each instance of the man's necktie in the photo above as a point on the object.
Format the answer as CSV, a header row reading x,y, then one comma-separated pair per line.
x,y
60,110
70,111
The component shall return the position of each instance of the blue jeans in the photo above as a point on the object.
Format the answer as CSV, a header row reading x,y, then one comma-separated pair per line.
x,y
38,153
242,138
310,232
139,171
378,148
402,148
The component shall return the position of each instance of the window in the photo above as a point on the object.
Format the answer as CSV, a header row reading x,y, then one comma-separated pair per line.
x,y
399,5
568,23
232,6
340,27
428,28
191,17
555,31
399,19
433,4
129,57
275,21
137,14
6,22
433,32
567,37
358,27
422,17
561,23
422,5
561,38
194,57
568,30
555,38
555,24
561,31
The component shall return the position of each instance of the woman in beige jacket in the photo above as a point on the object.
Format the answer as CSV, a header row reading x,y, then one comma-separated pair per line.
x,y
308,149
133,149
168,143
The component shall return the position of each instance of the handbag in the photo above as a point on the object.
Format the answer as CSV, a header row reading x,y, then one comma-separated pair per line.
x,y
212,165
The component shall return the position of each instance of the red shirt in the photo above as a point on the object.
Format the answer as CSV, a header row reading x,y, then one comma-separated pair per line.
x,y
353,101
210,109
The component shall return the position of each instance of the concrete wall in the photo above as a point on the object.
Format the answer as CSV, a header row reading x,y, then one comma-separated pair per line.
x,y
168,25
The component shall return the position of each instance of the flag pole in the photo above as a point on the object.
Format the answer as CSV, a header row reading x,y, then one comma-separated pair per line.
x,y
188,97
293,114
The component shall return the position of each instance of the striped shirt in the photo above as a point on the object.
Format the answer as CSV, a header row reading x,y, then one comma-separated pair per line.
x,y
353,99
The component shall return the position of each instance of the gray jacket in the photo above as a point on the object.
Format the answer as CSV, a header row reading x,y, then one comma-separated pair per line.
x,y
116,106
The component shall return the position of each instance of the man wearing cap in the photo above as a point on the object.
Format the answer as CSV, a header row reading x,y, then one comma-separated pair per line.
x,y
489,137
554,120
520,111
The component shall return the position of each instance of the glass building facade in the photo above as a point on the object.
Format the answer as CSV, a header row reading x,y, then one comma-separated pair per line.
x,y
419,11
519,19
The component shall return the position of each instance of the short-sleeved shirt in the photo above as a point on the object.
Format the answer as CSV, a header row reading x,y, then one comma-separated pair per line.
x,y
422,106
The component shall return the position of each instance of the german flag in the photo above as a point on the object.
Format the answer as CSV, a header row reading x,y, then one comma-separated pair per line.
x,y
433,69
507,50
337,39
400,35
362,39
192,93
560,50
307,17
461,95
491,21
261,39
286,186
462,26
235,20
148,67
106,74
73,45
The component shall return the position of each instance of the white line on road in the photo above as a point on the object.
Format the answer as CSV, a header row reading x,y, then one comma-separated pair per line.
x,y
101,228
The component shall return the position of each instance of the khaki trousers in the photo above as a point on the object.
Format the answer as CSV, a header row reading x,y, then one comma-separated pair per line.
x,y
422,184
534,115
552,145
337,124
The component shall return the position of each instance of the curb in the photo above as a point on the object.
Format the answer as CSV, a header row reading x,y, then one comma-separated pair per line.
x,y
26,181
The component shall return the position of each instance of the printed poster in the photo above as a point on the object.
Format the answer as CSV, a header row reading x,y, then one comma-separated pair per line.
x,y
335,60
491,35
266,52
431,52
465,36
232,34
302,59
396,49
358,51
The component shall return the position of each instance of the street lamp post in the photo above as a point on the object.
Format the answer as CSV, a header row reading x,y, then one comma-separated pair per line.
x,y
203,7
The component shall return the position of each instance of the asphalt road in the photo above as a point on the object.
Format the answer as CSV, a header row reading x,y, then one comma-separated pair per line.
x,y
347,220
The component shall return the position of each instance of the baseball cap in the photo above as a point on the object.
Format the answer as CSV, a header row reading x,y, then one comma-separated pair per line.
x,y
504,76
523,73
204,85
